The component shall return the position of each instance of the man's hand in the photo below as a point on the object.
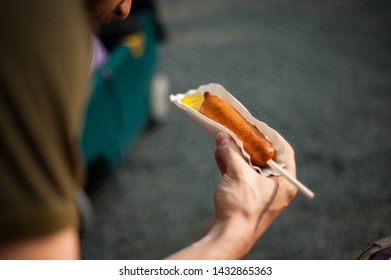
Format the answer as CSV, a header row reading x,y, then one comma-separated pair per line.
x,y
246,203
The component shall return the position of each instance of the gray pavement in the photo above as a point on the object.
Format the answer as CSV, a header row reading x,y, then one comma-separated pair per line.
x,y
319,72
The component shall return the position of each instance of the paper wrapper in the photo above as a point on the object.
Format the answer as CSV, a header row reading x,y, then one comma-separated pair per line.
x,y
213,127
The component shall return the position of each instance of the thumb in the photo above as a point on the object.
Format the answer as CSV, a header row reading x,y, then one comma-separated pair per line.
x,y
227,153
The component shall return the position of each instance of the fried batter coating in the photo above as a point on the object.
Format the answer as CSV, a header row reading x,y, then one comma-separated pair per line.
x,y
254,142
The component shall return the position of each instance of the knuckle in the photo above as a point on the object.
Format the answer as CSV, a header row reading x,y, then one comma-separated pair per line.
x,y
291,192
290,150
228,150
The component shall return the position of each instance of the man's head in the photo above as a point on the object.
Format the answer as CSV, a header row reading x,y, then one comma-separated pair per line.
x,y
104,11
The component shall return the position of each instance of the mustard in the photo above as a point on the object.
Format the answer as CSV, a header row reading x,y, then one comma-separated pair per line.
x,y
193,101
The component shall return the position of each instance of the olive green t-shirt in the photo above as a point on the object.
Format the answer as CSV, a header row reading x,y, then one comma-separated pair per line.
x,y
44,54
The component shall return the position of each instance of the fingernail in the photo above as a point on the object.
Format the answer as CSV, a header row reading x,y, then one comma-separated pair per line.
x,y
224,139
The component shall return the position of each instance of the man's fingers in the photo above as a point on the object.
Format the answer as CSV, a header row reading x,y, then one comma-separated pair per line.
x,y
290,154
227,153
220,163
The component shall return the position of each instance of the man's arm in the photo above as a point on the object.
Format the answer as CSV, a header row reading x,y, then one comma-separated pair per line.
x,y
44,89
63,244
246,204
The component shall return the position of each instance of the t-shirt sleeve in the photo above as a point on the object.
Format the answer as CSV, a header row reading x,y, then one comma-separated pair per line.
x,y
44,54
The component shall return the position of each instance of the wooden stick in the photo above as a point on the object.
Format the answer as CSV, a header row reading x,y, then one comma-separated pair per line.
x,y
303,189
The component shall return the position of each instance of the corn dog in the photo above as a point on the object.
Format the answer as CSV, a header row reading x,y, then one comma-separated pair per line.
x,y
254,142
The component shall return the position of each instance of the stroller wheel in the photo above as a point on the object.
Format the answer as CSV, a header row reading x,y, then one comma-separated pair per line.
x,y
159,97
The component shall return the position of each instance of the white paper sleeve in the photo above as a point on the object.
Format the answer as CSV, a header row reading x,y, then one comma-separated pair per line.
x,y
213,127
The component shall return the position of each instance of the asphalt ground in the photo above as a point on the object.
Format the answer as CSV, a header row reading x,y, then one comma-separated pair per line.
x,y
318,72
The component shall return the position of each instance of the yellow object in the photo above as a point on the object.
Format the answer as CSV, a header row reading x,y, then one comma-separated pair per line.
x,y
194,101
136,44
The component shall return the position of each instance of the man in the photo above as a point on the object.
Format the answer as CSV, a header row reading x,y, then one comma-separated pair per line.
x,y
44,62
104,11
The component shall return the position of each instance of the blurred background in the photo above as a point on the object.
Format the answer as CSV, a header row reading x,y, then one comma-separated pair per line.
x,y
318,72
